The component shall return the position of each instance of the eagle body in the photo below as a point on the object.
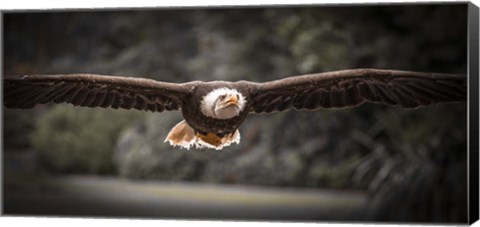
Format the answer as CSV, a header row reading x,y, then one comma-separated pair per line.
x,y
203,124
201,130
213,111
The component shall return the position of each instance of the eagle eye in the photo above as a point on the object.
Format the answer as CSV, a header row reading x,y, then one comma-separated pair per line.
x,y
222,97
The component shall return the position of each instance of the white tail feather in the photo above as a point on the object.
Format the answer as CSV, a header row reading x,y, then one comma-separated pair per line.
x,y
181,135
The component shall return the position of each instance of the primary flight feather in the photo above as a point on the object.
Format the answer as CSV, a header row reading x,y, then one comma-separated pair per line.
x,y
213,111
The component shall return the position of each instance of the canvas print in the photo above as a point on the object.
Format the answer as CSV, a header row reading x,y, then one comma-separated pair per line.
x,y
298,113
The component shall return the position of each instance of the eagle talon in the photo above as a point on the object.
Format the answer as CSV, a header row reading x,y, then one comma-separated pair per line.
x,y
210,138
184,136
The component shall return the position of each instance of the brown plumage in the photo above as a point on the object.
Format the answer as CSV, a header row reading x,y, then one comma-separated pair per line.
x,y
350,88
92,90
338,89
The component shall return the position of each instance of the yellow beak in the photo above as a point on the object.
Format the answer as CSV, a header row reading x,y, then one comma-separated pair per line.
x,y
232,100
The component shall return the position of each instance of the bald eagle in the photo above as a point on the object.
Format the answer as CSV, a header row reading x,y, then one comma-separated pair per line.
x,y
213,111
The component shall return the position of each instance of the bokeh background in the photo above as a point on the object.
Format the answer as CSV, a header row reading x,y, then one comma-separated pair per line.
x,y
371,163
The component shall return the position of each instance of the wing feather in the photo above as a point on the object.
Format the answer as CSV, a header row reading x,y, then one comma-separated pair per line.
x,y
350,88
91,90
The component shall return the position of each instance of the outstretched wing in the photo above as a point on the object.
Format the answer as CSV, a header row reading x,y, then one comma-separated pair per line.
x,y
92,90
349,88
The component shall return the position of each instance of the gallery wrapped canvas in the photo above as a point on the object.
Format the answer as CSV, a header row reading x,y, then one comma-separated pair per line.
x,y
344,113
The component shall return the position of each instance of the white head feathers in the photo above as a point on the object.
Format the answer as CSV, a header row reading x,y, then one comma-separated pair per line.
x,y
213,105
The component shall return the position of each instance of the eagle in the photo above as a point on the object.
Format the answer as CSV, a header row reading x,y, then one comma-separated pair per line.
x,y
213,111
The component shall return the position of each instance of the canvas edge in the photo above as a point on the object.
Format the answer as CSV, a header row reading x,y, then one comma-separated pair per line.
x,y
473,72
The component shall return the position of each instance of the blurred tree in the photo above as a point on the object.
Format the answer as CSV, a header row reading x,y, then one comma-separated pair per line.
x,y
80,140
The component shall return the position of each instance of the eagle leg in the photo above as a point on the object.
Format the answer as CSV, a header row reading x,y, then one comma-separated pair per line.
x,y
215,141
184,136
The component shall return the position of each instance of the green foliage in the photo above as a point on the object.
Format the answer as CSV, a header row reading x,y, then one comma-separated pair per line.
x,y
80,140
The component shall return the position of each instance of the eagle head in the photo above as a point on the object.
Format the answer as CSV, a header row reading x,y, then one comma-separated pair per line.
x,y
223,103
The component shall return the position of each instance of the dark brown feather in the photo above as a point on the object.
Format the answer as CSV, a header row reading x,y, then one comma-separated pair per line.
x,y
92,90
350,88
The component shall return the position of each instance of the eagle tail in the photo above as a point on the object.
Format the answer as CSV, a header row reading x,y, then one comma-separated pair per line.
x,y
181,135
184,136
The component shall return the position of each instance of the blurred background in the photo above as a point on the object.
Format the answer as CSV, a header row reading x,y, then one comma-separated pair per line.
x,y
371,163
